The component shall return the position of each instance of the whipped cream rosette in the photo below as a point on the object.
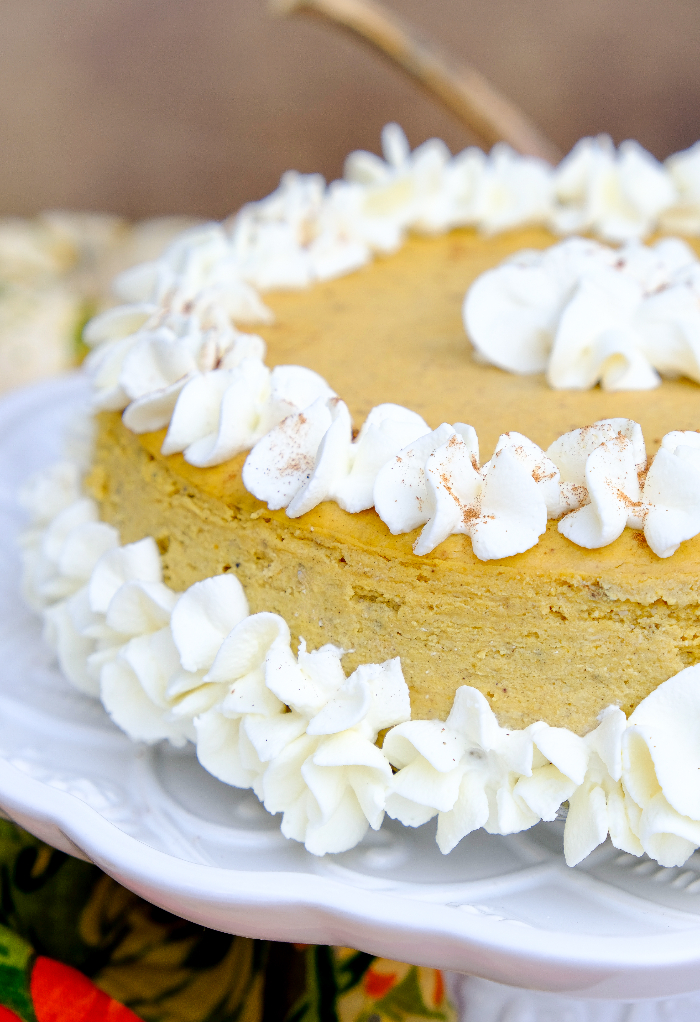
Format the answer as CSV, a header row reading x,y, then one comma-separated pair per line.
x,y
221,413
502,505
587,314
45,497
300,233
617,194
683,216
197,272
68,550
604,475
249,725
312,457
124,598
471,773
429,191
331,782
661,763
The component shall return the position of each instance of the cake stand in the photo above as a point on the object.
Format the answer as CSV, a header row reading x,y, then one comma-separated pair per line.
x,y
504,909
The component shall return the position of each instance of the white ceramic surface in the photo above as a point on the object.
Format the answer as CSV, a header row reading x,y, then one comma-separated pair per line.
x,y
505,909
480,1000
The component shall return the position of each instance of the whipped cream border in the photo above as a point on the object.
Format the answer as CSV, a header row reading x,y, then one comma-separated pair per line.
x,y
174,356
197,666
173,349
595,480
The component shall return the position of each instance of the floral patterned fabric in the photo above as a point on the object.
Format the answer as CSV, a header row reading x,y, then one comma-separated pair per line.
x,y
75,946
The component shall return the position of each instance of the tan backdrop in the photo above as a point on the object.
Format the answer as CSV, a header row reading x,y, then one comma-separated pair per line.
x,y
191,106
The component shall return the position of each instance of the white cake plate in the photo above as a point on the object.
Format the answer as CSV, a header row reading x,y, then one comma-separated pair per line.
x,y
506,909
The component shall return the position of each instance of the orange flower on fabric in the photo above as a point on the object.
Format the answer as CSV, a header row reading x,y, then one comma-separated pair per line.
x,y
432,986
62,994
8,1016
382,975
377,984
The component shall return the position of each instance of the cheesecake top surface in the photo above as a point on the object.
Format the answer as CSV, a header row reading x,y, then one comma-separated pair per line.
x,y
393,332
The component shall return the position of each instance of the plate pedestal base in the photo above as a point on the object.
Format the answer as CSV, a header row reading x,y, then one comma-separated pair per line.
x,y
480,1000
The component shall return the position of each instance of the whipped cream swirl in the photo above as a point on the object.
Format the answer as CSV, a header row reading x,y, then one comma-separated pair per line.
x,y
617,194
586,314
311,456
603,472
437,482
207,383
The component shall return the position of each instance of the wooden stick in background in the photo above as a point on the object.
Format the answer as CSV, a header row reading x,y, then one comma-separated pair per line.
x,y
461,88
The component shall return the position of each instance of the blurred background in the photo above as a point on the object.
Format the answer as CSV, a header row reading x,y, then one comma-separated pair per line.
x,y
144,107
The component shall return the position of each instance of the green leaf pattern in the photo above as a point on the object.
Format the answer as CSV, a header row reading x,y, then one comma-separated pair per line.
x,y
166,969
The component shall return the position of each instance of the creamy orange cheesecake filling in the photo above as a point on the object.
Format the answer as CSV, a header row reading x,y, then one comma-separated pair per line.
x,y
555,634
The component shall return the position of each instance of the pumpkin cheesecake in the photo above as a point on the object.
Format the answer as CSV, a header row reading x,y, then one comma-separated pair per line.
x,y
556,633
